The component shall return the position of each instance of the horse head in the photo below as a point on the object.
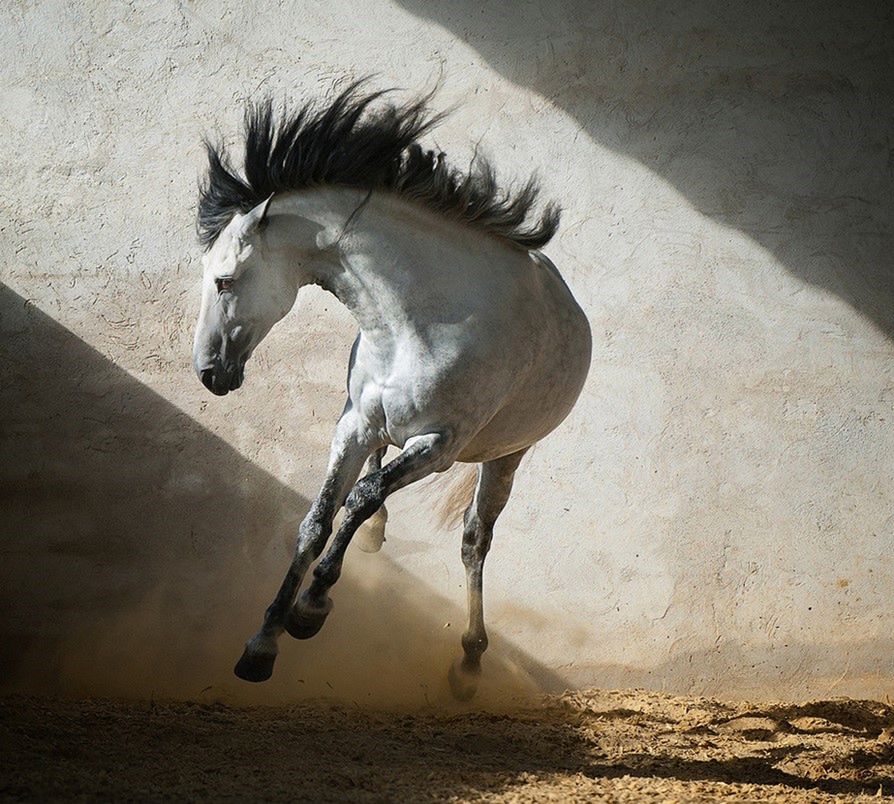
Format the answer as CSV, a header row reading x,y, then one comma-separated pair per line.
x,y
243,296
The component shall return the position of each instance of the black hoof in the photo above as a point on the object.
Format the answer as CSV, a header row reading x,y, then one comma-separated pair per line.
x,y
303,621
255,666
463,682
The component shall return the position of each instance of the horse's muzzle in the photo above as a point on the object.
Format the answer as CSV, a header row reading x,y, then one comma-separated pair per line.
x,y
220,381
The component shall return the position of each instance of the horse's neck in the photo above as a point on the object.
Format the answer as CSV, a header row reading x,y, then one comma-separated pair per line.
x,y
394,264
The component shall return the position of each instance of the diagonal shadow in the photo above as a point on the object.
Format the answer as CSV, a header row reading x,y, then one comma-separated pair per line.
x,y
139,550
772,118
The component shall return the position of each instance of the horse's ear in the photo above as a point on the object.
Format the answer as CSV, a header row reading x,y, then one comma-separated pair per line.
x,y
252,219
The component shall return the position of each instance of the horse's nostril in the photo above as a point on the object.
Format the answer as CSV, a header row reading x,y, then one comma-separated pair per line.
x,y
208,379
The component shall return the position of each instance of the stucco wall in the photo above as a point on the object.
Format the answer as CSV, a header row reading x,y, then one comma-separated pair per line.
x,y
715,516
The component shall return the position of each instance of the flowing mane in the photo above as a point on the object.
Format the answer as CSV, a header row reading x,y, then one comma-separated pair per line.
x,y
350,142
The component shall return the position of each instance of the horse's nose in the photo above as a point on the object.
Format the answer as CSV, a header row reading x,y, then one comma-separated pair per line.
x,y
216,380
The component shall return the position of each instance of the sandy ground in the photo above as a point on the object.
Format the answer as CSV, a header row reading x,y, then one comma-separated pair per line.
x,y
597,746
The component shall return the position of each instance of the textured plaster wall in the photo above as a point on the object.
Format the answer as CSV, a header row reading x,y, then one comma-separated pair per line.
x,y
715,516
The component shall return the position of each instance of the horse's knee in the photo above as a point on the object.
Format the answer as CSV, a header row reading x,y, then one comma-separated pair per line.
x,y
312,537
366,497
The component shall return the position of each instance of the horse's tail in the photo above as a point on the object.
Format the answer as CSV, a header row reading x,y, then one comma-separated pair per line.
x,y
456,490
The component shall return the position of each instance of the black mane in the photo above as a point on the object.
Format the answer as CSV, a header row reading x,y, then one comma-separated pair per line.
x,y
348,143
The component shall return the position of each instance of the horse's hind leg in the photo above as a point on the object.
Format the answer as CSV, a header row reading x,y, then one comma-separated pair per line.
x,y
371,534
491,495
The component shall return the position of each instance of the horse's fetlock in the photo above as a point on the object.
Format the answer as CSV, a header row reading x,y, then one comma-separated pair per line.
x,y
474,643
327,574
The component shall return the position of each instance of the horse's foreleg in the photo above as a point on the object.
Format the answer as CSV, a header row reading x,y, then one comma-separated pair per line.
x,y
491,495
346,459
422,455
371,534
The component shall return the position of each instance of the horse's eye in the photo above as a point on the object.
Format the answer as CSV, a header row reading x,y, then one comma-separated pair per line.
x,y
224,284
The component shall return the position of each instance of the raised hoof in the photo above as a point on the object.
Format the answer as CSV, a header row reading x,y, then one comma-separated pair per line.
x,y
371,534
254,666
463,683
303,621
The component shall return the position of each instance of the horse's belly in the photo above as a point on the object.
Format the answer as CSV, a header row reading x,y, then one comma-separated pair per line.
x,y
516,426
539,405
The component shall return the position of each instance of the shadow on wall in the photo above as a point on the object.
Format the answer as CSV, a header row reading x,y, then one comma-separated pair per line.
x,y
772,118
137,556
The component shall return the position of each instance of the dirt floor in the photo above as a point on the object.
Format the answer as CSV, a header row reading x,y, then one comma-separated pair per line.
x,y
598,746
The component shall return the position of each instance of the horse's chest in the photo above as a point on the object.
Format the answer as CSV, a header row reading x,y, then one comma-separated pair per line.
x,y
396,408
406,396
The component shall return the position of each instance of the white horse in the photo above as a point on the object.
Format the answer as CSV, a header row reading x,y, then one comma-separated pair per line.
x,y
471,346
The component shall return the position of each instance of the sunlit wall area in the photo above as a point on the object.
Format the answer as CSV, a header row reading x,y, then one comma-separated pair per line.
x,y
716,515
